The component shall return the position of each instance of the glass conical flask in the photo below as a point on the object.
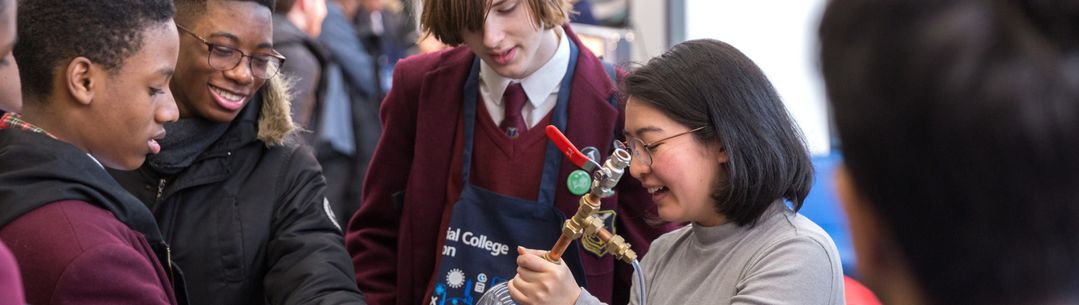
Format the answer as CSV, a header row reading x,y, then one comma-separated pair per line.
x,y
497,295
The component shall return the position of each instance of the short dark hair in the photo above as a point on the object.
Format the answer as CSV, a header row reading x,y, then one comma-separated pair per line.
x,y
283,6
710,83
187,9
959,123
52,32
445,19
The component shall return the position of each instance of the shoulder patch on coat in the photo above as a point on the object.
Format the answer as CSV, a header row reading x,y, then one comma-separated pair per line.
x,y
329,213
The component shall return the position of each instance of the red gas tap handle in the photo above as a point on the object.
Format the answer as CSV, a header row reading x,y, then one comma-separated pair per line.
x,y
571,152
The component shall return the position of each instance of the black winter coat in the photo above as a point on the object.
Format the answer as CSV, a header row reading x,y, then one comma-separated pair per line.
x,y
248,221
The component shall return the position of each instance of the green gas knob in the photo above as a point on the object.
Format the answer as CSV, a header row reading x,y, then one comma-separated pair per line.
x,y
578,182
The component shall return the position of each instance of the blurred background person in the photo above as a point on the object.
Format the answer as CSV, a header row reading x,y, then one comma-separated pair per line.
x,y
347,126
296,24
959,124
389,34
582,12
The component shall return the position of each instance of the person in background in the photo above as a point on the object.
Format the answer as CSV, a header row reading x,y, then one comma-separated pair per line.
x,y
959,123
388,34
241,202
348,127
713,143
582,12
95,95
463,153
296,24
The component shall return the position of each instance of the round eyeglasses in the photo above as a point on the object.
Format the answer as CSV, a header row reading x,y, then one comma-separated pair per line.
x,y
643,152
223,58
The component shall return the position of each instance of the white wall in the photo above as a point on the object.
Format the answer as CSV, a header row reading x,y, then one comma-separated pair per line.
x,y
649,18
780,36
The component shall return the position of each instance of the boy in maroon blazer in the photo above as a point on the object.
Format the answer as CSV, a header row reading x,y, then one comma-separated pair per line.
x,y
463,173
95,78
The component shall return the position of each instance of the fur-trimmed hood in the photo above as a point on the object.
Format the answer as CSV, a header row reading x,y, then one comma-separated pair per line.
x,y
254,185
275,119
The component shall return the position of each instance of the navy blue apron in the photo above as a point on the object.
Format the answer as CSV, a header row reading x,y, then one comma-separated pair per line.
x,y
480,244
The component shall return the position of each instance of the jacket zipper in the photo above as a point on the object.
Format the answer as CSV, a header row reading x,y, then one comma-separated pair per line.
x,y
168,250
160,190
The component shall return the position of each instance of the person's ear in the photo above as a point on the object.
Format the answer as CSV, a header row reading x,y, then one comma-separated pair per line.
x,y
80,79
722,155
865,227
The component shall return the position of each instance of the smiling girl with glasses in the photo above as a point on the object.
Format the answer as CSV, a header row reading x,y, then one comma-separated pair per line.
x,y
726,159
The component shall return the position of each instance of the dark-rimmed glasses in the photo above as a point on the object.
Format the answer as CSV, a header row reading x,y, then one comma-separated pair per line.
x,y
636,146
223,58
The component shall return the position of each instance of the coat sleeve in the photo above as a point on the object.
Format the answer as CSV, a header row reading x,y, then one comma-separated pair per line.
x,y
307,260
110,274
373,230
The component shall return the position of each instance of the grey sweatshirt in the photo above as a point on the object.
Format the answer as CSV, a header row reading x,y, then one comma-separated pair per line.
x,y
784,259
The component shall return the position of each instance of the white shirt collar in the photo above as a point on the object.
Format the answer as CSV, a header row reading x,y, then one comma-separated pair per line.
x,y
537,86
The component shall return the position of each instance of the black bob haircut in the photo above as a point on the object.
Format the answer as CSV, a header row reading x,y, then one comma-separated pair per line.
x,y
187,9
710,83
52,32
959,123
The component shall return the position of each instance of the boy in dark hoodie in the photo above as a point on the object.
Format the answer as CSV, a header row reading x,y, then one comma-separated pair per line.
x,y
96,93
